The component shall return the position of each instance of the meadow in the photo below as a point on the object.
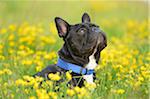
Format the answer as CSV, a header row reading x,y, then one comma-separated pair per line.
x,y
29,42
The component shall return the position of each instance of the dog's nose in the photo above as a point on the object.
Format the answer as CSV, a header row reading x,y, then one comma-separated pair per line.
x,y
95,29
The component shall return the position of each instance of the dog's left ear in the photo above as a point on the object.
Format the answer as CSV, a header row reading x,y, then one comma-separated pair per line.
x,y
62,26
86,18
100,47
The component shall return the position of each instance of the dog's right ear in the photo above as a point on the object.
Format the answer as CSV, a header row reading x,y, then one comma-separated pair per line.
x,y
62,26
86,18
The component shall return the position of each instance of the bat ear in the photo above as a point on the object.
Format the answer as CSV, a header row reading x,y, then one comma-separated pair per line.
x,y
62,26
86,18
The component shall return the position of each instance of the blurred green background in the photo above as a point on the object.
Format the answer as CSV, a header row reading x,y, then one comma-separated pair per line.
x,y
38,11
44,11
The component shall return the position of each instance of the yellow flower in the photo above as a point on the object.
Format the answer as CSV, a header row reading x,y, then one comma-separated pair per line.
x,y
130,24
68,75
38,68
7,71
140,78
11,37
20,82
12,96
50,55
26,91
12,27
12,43
120,91
49,40
54,77
5,84
83,93
70,92
36,85
39,79
42,94
1,72
77,89
90,86
143,68
137,84
32,97
53,95
50,83
3,30
1,46
11,51
28,78
27,62
2,57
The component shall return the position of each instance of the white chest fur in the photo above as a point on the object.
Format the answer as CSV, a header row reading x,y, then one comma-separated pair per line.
x,y
91,65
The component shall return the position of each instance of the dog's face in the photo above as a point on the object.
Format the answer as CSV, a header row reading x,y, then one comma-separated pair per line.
x,y
81,40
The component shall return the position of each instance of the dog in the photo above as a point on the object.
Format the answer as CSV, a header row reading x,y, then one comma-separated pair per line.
x,y
81,50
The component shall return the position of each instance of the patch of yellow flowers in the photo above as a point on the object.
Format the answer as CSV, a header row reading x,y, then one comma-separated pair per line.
x,y
5,71
26,49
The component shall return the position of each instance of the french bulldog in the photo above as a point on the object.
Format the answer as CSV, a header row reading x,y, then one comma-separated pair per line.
x,y
82,46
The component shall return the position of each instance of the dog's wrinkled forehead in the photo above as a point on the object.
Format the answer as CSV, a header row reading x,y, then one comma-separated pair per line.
x,y
86,27
84,31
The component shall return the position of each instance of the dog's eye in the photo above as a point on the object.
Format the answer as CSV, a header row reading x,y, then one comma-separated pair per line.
x,y
82,30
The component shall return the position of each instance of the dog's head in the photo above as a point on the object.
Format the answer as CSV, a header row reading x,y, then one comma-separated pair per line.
x,y
81,40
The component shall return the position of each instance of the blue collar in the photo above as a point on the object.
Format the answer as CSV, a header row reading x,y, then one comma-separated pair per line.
x,y
74,68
